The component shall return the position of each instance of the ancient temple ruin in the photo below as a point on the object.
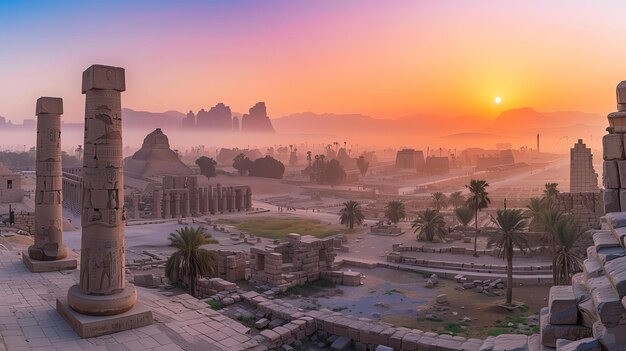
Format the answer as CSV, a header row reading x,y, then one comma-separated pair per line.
x,y
583,177
103,291
155,158
48,253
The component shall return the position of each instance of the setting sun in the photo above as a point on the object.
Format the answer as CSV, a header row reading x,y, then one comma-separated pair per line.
x,y
497,100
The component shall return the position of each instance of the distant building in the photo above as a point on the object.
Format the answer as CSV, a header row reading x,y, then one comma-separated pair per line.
x,y
436,165
10,186
235,124
155,158
219,117
505,158
583,177
410,159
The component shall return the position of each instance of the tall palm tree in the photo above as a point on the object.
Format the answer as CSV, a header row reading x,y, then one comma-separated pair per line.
x,y
351,214
568,255
429,224
535,210
464,215
457,199
477,201
190,261
551,192
395,211
511,224
549,220
439,200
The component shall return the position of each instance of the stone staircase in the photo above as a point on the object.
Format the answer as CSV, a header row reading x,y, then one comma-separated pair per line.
x,y
594,306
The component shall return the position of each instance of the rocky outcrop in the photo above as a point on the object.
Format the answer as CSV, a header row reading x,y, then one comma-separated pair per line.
x,y
155,158
219,117
256,120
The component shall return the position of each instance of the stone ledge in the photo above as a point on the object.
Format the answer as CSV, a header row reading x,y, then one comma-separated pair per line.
x,y
37,266
90,326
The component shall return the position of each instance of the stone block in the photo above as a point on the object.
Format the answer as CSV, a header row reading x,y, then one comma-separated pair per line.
x,y
91,326
510,342
36,266
550,333
620,91
616,271
606,300
104,78
613,147
562,302
610,175
617,120
341,343
604,239
49,105
622,199
613,338
586,344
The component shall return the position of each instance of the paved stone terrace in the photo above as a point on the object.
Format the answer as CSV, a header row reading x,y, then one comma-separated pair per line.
x,y
29,321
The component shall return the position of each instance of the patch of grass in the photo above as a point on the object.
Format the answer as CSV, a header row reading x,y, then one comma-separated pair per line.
x,y
310,288
497,331
434,319
216,305
247,321
392,291
516,319
454,328
278,228
524,308
226,221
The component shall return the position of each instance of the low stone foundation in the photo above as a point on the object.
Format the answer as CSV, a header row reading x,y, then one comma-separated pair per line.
x,y
37,266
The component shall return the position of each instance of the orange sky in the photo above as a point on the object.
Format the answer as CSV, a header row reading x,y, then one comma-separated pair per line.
x,y
382,58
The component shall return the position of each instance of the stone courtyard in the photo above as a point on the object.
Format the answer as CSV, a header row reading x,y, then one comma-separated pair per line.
x,y
29,321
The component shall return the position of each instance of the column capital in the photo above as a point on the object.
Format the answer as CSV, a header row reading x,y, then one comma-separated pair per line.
x,y
49,105
104,78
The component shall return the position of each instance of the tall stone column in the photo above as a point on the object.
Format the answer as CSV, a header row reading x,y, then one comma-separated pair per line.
x,y
195,208
177,205
103,290
48,253
157,198
136,199
167,201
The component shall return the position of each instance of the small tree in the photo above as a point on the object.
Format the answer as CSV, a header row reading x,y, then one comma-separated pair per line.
x,y
511,224
190,261
395,211
334,172
464,215
351,214
241,163
456,199
477,201
551,193
207,166
267,167
429,225
568,258
439,200
362,164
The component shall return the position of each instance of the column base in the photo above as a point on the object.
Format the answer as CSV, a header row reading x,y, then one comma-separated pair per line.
x,y
37,266
102,305
90,326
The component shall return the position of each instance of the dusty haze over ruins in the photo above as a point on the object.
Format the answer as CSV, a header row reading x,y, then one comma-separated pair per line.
x,y
278,175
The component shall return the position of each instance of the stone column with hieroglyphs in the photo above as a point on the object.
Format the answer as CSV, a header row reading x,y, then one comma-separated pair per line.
x,y
103,290
48,253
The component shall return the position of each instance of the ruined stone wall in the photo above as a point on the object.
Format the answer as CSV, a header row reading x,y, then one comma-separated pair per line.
x,y
231,265
25,221
585,207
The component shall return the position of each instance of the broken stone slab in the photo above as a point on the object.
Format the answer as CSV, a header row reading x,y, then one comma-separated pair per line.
x,y
276,323
579,287
613,147
605,239
616,271
562,303
442,298
588,313
550,332
609,254
610,198
612,339
341,343
606,300
510,342
610,177
616,220
261,323
592,268
622,193
586,344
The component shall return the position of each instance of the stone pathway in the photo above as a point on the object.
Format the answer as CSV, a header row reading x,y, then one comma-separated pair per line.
x,y
29,321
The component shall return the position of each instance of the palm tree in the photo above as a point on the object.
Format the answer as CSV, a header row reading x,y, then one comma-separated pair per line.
x,y
351,214
535,209
395,211
511,224
190,261
548,219
429,224
439,200
457,199
464,215
477,200
551,192
568,259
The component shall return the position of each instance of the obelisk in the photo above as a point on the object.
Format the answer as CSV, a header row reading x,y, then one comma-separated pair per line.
x,y
103,290
48,253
